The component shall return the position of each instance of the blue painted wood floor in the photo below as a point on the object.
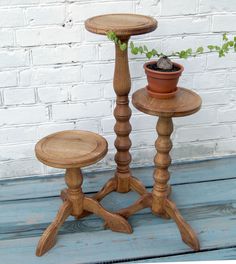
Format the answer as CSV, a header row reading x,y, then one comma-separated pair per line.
x,y
205,193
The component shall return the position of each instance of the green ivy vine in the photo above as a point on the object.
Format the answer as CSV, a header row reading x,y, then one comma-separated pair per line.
x,y
227,45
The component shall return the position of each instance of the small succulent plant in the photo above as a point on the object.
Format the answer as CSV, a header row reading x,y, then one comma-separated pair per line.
x,y
164,61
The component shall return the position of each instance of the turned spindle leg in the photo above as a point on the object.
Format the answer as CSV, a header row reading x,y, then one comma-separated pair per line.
x,y
161,205
122,113
162,161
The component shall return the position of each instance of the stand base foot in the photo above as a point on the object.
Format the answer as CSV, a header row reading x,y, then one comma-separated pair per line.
x,y
48,239
169,211
89,205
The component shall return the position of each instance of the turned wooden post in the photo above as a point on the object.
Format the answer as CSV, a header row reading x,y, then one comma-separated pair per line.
x,y
122,113
74,180
125,26
162,161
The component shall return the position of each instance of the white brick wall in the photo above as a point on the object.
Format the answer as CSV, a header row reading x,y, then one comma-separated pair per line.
x,y
54,75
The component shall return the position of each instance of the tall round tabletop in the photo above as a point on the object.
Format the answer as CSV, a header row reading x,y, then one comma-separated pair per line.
x,y
124,25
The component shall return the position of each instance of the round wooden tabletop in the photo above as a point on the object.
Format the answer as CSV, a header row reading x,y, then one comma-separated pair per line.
x,y
71,149
121,24
185,102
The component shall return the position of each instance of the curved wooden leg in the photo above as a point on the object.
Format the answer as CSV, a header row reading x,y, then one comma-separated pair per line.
x,y
143,202
137,186
113,221
48,239
187,233
109,187
64,195
169,190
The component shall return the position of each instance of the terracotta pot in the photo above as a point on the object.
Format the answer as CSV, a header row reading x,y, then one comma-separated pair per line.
x,y
162,84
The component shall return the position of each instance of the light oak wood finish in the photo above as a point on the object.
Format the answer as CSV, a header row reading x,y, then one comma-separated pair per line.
x,y
184,103
72,150
124,25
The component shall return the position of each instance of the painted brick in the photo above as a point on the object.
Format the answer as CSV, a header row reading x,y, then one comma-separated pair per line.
x,y
43,15
209,80
13,17
204,116
80,12
63,54
226,146
14,96
15,152
223,23
17,135
8,78
86,92
186,25
49,76
23,115
21,168
18,2
227,114
81,110
48,36
217,6
214,62
178,7
6,38
150,8
49,128
17,58
202,133
52,94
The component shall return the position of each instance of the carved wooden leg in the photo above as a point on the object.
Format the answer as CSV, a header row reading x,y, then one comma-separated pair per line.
x,y
144,201
113,221
187,233
138,186
109,187
48,239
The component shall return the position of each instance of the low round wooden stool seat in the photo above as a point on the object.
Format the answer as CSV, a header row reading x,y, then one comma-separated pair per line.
x,y
71,149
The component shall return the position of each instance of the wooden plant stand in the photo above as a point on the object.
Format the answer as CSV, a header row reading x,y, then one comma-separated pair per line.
x,y
124,25
72,150
184,103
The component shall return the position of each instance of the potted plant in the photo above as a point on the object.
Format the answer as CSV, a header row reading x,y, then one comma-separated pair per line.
x,y
163,74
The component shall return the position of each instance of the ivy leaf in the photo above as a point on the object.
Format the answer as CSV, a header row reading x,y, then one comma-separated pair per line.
x,y
149,55
221,53
134,51
123,46
200,50
225,38
210,47
140,49
154,52
189,51
231,43
145,48
183,54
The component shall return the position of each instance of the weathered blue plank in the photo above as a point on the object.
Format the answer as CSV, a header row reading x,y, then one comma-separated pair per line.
x,y
38,187
146,241
197,201
210,207
219,254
